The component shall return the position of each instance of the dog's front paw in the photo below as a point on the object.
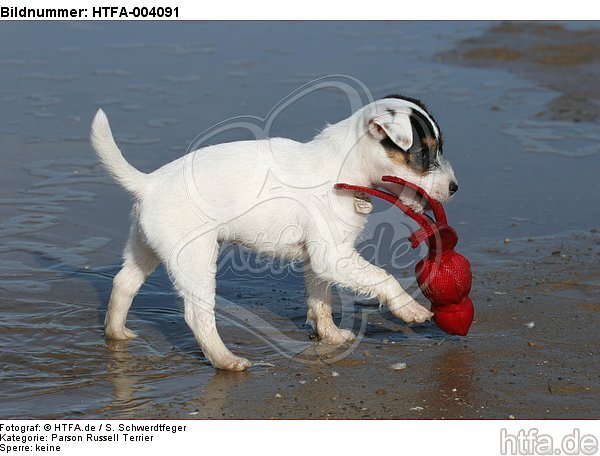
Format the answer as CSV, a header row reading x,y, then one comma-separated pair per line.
x,y
410,311
337,336
232,364
122,333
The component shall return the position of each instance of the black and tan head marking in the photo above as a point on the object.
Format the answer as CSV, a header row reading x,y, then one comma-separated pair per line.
x,y
427,142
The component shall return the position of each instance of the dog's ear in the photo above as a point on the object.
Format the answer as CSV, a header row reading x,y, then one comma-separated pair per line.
x,y
392,124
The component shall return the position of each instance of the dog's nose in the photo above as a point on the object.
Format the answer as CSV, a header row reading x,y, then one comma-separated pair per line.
x,y
453,187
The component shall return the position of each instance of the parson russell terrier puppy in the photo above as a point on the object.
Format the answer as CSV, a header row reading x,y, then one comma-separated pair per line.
x,y
274,196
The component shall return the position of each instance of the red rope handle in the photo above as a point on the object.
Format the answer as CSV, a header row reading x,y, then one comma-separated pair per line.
x,y
390,198
436,206
428,226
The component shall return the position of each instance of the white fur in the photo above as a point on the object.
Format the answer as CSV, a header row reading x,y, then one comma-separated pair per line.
x,y
274,196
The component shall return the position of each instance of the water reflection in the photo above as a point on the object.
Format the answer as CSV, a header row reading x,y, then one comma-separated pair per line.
x,y
120,373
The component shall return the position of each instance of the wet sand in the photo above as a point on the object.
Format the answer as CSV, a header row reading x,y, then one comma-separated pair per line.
x,y
532,352
63,224
562,59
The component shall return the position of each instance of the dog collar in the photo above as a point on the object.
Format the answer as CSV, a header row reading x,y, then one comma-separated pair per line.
x,y
362,203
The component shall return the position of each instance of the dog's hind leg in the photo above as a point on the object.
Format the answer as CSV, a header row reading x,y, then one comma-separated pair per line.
x,y
319,304
139,261
193,270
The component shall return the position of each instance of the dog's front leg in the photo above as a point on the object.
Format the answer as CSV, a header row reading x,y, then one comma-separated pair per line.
x,y
319,304
345,267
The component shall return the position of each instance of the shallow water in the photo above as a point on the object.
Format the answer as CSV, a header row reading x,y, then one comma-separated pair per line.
x,y
63,223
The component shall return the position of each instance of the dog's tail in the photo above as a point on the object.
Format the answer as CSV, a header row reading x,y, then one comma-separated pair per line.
x,y
133,180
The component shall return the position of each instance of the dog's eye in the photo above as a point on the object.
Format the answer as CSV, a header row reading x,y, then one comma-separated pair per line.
x,y
426,145
424,157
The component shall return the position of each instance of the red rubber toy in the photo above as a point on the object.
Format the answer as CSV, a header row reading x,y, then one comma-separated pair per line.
x,y
444,276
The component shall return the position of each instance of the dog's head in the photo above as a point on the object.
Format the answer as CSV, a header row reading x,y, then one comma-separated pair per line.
x,y
403,139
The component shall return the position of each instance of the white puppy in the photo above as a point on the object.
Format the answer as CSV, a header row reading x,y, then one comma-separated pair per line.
x,y
274,196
